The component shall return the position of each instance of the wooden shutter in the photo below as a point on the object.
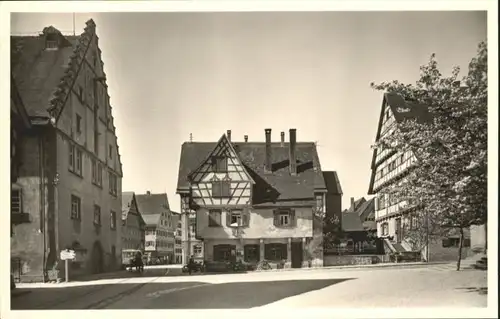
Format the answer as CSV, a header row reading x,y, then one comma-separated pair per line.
x,y
245,218
292,218
228,218
276,221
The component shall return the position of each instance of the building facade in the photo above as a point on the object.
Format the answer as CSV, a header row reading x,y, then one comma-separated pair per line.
x,y
253,201
69,182
133,225
178,239
395,217
160,227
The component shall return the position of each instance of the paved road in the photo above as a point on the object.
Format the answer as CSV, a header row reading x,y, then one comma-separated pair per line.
x,y
412,287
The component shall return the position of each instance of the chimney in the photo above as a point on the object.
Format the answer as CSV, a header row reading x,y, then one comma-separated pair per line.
x,y
148,193
246,138
293,141
267,167
282,139
229,135
352,203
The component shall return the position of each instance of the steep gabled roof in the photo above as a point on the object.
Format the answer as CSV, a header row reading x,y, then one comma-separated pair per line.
x,y
364,209
17,105
332,182
128,199
45,78
401,110
287,189
150,204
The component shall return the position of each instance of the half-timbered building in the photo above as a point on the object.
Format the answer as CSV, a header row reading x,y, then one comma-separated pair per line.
x,y
396,216
253,200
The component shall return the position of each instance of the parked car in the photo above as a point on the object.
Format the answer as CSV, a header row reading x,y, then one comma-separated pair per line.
x,y
197,267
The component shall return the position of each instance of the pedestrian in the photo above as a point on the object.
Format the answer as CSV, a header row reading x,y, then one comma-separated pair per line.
x,y
191,264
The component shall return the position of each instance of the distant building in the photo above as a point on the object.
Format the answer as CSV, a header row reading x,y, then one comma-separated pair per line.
x,y
253,200
178,239
359,227
160,227
394,216
133,230
67,193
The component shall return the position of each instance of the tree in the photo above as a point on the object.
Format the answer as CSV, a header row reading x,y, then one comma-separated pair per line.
x,y
449,179
332,231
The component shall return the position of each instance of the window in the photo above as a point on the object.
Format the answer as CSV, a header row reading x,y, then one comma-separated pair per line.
x,y
96,172
110,151
112,222
284,218
401,158
219,164
221,189
319,203
385,229
214,218
197,250
71,158
16,205
78,164
75,207
381,201
235,218
251,253
223,252
97,215
113,184
413,222
276,252
78,124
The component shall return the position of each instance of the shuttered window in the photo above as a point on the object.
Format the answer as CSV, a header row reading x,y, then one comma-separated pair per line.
x,y
238,218
214,218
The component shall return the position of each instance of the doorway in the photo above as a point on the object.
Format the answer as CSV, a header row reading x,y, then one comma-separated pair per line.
x,y
297,254
97,258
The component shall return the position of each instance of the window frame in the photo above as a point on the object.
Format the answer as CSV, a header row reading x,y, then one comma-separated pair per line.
x,y
97,213
78,214
112,223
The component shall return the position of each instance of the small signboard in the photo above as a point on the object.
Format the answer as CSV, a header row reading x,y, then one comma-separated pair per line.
x,y
67,254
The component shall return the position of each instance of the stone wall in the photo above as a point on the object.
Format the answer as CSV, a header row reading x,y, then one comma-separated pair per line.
x,y
343,260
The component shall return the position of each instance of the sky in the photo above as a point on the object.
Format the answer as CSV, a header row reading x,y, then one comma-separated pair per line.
x,y
175,74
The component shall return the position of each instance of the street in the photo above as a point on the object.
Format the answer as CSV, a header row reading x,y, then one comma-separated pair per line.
x,y
431,286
